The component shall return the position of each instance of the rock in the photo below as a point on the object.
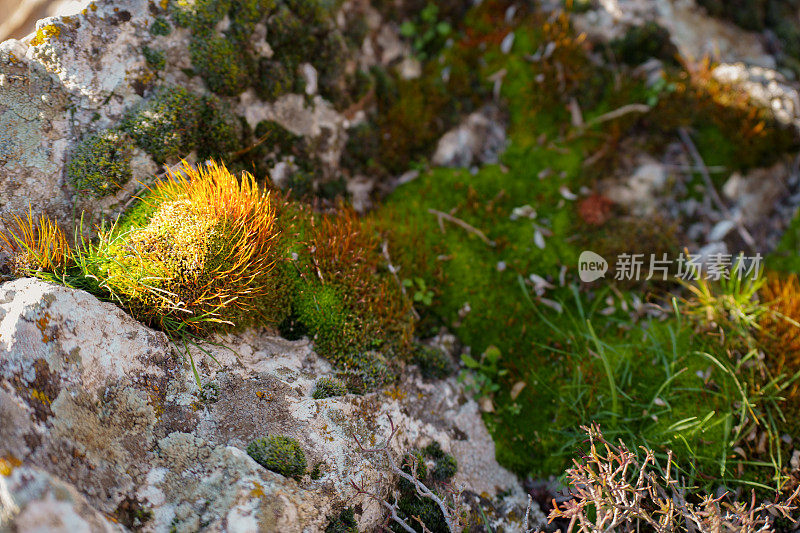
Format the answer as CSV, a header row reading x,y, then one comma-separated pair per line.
x,y
694,32
99,404
640,190
18,17
766,87
755,195
34,501
480,138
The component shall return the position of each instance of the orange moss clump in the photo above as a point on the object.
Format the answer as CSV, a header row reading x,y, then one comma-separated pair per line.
x,y
34,245
780,325
203,258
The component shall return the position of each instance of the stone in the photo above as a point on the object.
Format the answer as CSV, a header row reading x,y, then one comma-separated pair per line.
x,y
479,139
97,403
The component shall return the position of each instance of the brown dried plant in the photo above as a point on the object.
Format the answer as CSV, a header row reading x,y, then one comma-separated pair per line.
x,y
614,489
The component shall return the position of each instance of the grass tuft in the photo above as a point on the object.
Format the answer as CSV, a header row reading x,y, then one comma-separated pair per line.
x,y
34,245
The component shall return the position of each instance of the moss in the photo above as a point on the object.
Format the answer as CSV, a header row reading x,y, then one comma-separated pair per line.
x,y
279,454
101,164
291,38
160,27
156,59
279,137
445,468
485,304
426,510
198,15
328,388
273,80
172,122
341,295
203,258
362,152
166,124
411,505
222,132
641,43
344,522
245,14
786,257
225,68
445,465
433,362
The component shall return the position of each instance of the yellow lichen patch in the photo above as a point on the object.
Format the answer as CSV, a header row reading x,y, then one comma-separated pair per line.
x,y
257,490
46,33
8,464
395,393
42,324
42,397
265,395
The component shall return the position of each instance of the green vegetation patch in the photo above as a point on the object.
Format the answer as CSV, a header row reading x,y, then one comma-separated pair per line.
x,y
101,164
280,454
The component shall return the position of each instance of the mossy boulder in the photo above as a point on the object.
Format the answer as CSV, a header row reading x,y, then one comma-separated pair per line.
x,y
280,454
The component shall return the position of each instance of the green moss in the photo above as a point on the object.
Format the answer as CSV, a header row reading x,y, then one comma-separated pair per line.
x,y
413,506
786,257
279,137
166,125
445,465
641,43
292,39
222,131
274,79
245,14
173,122
433,362
482,291
344,522
101,164
328,388
224,67
160,27
198,15
279,454
156,59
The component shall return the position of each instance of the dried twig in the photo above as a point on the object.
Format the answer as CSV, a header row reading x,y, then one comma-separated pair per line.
x,y
618,113
391,507
420,487
715,197
458,222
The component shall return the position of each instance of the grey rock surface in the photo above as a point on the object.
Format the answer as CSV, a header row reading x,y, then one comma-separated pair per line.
x,y
103,418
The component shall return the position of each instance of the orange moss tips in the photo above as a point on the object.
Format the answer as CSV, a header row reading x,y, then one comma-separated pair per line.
x,y
780,329
211,239
34,245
